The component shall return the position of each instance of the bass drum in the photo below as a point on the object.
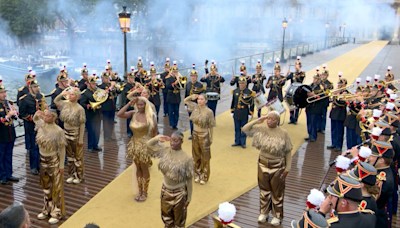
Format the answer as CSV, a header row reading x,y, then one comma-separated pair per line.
x,y
296,95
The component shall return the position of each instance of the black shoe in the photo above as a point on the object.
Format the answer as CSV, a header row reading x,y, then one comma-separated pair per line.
x,y
165,115
322,132
330,147
312,140
190,138
13,178
308,138
337,149
295,123
244,146
235,144
97,149
175,128
130,135
115,122
4,182
91,151
290,122
35,171
318,130
171,127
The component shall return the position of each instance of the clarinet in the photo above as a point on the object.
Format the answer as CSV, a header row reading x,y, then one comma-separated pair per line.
x,y
11,108
348,151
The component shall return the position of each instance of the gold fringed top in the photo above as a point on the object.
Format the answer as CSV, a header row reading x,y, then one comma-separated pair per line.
x,y
201,116
272,142
70,113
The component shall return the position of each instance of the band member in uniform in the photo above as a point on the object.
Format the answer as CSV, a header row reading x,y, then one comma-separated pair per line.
x,y
25,89
310,217
113,75
165,91
325,102
108,107
29,104
314,109
243,72
52,142
242,109
338,116
193,87
139,76
63,82
351,120
74,118
296,77
93,116
377,93
8,113
275,83
213,85
144,127
155,86
128,86
203,120
274,164
174,86
177,168
258,81
388,78
82,82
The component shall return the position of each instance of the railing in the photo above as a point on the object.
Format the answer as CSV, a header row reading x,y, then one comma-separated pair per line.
x,y
225,67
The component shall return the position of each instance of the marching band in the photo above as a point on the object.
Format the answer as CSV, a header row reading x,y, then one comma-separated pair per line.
x,y
365,186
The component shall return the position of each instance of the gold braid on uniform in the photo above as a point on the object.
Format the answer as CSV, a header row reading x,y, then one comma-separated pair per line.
x,y
48,138
201,116
72,114
176,165
274,141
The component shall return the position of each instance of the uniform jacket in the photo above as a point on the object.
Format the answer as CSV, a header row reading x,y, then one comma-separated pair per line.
x,y
109,104
258,84
174,93
155,89
213,83
28,106
7,130
276,87
317,106
91,115
242,103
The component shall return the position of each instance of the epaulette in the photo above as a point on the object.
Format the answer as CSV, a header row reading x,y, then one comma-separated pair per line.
x,y
52,91
204,87
80,80
22,97
332,220
381,176
83,91
253,93
22,88
232,91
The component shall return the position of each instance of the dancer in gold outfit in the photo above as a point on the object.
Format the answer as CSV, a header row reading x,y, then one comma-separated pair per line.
x,y
274,163
73,116
144,127
177,167
202,136
51,141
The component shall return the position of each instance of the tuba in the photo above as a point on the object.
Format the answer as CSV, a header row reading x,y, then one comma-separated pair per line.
x,y
100,96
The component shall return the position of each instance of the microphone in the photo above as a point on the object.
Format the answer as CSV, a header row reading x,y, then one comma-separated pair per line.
x,y
348,151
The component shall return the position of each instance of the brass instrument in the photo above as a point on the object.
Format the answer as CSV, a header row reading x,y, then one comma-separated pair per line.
x,y
326,93
182,81
119,86
100,96
391,82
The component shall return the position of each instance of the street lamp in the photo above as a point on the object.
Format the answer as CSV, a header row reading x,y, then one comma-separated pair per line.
x,y
124,22
284,25
326,32
344,29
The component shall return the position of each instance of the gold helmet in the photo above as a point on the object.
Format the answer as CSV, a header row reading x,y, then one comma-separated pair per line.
x,y
389,75
92,79
62,77
277,66
325,71
342,81
193,72
139,63
258,66
242,67
152,68
33,83
84,70
132,73
213,65
174,67
2,88
109,64
167,64
298,61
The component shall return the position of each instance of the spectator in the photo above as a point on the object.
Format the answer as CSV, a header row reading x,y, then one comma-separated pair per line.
x,y
91,225
14,216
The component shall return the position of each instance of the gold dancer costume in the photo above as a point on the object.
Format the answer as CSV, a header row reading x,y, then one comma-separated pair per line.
x,y
202,136
273,164
177,167
51,141
73,116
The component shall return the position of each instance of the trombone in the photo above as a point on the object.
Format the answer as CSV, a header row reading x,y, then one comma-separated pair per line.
x,y
325,94
391,82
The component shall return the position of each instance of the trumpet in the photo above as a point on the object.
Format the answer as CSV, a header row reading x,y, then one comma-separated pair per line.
x,y
325,94
182,81
391,82
119,87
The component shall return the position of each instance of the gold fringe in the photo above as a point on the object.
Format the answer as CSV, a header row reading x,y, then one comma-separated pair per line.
x,y
50,138
176,165
72,114
202,116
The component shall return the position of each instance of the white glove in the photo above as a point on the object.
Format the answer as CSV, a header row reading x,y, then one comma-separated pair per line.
x,y
185,107
250,116
232,115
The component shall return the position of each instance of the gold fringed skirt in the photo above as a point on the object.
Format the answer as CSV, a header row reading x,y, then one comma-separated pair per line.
x,y
52,183
201,155
271,185
138,151
74,153
173,210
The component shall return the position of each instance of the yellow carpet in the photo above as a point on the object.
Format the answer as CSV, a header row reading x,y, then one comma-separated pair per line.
x,y
233,169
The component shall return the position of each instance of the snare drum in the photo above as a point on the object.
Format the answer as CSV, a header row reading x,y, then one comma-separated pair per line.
x,y
276,105
296,95
212,96
260,100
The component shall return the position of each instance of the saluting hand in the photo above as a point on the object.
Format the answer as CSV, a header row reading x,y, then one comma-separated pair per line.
x,y
195,96
261,119
163,138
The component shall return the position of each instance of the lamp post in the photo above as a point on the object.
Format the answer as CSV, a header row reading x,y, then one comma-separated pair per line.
x,y
326,32
344,29
284,25
124,22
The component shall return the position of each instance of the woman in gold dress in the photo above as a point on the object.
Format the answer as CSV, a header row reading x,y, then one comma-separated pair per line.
x,y
177,167
274,163
144,127
73,116
51,141
202,136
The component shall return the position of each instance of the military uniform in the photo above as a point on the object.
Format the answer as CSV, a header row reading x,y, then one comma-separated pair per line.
x,y
258,84
213,84
313,111
235,81
63,79
351,123
7,139
277,82
295,77
82,82
108,110
325,104
193,88
28,106
173,99
93,117
242,109
155,88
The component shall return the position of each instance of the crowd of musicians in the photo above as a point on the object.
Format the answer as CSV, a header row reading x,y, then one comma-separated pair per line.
x,y
54,136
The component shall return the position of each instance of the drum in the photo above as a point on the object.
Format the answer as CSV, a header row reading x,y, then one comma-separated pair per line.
x,y
276,105
260,100
212,96
296,95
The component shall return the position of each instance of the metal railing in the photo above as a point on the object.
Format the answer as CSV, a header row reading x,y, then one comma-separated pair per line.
x,y
225,67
